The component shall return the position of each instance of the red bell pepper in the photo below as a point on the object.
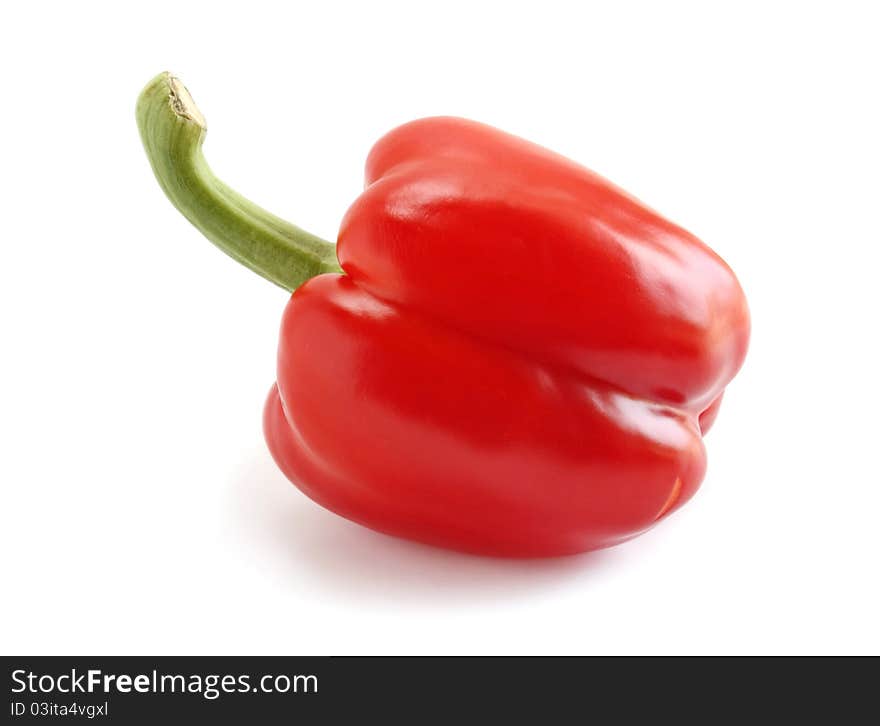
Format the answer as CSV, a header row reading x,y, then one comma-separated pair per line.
x,y
512,357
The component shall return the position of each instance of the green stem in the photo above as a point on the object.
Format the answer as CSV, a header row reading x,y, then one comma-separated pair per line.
x,y
173,129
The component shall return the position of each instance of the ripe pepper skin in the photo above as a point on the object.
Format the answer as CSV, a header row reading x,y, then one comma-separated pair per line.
x,y
518,359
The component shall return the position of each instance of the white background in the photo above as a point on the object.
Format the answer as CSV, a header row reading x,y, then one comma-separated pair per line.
x,y
141,511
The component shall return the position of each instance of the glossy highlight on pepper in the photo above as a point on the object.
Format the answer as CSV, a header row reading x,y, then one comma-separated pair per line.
x,y
511,356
